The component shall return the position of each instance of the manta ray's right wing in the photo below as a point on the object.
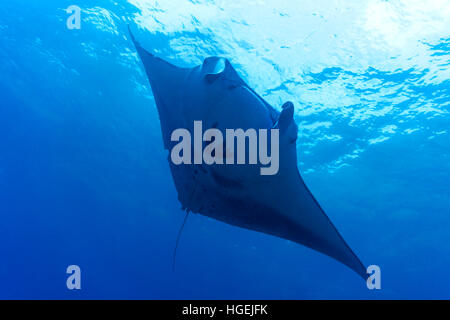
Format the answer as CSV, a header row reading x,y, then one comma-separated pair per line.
x,y
308,223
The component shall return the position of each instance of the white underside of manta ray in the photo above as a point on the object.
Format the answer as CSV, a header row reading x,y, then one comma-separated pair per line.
x,y
280,205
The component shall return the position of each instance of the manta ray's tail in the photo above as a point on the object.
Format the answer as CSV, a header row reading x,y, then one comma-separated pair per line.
x,y
178,239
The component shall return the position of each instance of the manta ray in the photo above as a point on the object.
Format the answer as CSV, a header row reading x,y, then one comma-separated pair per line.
x,y
280,205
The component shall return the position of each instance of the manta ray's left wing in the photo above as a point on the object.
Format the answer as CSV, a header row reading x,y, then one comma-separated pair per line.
x,y
167,82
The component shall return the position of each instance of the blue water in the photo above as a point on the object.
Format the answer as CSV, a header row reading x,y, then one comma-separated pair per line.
x,y
84,178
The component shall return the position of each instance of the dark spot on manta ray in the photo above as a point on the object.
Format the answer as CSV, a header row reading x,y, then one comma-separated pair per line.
x,y
225,181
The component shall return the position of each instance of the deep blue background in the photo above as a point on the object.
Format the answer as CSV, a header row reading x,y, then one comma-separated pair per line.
x,y
84,178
